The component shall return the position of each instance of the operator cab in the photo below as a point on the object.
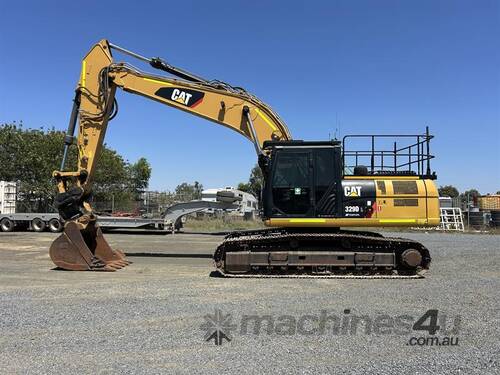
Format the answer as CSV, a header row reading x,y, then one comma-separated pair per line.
x,y
303,179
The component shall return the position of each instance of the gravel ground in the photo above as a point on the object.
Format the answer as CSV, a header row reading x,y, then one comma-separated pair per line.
x,y
146,318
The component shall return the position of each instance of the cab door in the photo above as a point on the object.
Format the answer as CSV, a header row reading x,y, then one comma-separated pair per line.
x,y
326,181
291,184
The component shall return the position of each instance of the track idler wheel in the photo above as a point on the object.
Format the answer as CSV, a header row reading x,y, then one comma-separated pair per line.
x,y
411,258
83,248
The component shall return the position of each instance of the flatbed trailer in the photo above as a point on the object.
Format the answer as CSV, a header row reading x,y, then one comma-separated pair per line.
x,y
37,222
40,222
171,220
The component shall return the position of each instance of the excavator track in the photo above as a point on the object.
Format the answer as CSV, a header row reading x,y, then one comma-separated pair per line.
x,y
300,253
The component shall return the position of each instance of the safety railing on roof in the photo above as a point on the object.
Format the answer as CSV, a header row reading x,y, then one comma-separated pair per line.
x,y
409,154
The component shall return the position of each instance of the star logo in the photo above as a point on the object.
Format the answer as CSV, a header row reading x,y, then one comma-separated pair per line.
x,y
218,327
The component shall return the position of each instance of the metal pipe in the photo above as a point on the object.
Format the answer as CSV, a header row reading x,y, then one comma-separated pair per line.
x,y
409,160
246,112
418,155
373,156
130,53
65,155
343,155
68,138
158,63
181,73
421,156
395,158
428,140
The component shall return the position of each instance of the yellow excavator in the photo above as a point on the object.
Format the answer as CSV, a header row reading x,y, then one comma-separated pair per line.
x,y
311,188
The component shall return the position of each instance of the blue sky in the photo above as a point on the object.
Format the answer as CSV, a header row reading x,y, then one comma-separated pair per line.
x,y
360,66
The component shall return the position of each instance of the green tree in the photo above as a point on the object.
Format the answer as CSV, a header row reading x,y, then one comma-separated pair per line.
x,y
187,192
244,187
472,193
255,183
470,196
111,182
29,156
198,188
448,191
139,174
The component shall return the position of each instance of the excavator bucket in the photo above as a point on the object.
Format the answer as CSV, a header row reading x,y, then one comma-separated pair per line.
x,y
85,250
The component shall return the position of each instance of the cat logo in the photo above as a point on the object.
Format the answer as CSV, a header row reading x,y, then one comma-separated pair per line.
x,y
189,98
180,96
352,191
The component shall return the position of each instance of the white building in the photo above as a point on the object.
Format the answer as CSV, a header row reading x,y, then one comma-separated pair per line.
x,y
8,196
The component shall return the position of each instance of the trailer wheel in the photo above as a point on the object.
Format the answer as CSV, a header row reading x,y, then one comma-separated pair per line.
x,y
38,225
55,225
6,225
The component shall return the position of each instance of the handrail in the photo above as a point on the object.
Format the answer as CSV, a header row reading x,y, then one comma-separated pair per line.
x,y
417,153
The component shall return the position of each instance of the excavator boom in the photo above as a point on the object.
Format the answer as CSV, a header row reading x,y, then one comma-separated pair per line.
x,y
214,100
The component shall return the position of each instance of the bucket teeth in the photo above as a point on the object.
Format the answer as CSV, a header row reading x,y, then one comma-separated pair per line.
x,y
123,256
100,266
85,250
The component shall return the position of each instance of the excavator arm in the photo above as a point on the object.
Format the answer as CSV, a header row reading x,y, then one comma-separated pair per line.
x,y
82,245
95,105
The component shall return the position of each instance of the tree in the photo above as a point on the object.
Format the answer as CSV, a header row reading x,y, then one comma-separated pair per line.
x,y
110,178
255,183
472,193
470,196
188,192
244,187
448,191
139,174
198,188
30,155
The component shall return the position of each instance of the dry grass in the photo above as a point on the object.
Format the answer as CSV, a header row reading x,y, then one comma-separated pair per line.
x,y
219,225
